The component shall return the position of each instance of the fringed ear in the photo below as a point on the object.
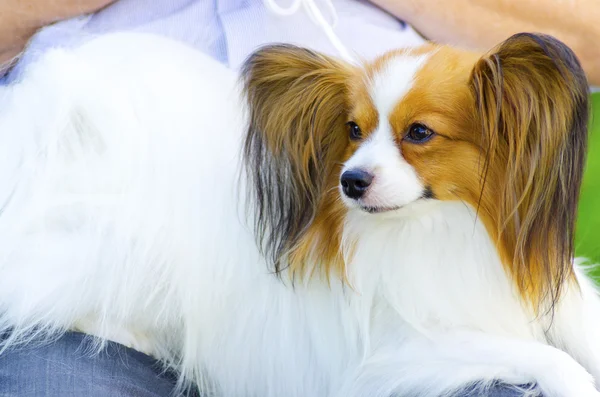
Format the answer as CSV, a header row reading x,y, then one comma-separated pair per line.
x,y
297,103
532,98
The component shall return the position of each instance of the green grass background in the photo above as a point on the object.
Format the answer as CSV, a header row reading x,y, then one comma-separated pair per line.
x,y
587,237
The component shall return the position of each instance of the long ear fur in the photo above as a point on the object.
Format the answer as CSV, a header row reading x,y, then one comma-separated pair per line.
x,y
532,98
297,102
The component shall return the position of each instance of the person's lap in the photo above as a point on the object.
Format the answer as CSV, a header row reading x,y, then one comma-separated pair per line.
x,y
66,368
497,390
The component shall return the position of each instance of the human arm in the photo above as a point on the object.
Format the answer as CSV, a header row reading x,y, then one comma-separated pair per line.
x,y
20,19
480,24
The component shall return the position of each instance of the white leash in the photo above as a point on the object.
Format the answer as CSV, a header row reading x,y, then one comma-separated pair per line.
x,y
317,17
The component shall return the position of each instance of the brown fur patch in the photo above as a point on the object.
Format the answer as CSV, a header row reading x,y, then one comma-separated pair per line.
x,y
296,140
532,98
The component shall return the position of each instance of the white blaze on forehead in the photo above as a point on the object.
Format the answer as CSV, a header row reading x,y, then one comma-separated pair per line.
x,y
391,83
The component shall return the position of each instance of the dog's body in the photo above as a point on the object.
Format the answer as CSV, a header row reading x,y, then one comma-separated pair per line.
x,y
125,216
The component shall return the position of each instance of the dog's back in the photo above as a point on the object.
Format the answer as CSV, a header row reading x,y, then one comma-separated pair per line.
x,y
100,149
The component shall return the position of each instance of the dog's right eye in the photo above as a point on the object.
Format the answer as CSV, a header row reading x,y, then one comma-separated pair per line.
x,y
354,131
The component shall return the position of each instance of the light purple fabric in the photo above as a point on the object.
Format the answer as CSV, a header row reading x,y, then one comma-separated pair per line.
x,y
229,30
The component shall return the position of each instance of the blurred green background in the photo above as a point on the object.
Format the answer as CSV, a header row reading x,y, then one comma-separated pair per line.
x,y
587,237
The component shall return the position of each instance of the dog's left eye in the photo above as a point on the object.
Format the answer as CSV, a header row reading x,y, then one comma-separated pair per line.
x,y
354,131
418,133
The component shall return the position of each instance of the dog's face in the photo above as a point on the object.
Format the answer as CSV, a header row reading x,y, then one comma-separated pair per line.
x,y
504,133
412,132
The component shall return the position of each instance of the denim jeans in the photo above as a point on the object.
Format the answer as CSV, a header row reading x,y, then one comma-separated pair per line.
x,y
498,390
66,368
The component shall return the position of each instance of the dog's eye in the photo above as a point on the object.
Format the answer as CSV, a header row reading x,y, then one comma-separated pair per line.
x,y
354,131
418,133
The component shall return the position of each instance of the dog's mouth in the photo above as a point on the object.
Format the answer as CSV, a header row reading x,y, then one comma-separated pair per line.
x,y
371,209
378,210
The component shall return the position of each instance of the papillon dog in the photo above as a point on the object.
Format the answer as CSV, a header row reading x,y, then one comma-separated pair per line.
x,y
306,227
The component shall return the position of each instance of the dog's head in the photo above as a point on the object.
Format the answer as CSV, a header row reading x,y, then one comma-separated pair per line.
x,y
504,132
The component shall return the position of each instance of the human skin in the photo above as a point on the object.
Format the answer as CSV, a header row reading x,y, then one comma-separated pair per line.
x,y
475,24
20,19
481,24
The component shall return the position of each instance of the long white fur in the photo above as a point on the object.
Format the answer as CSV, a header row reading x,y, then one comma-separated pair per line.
x,y
393,81
121,216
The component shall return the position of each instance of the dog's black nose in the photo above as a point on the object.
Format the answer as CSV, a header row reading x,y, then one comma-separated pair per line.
x,y
355,183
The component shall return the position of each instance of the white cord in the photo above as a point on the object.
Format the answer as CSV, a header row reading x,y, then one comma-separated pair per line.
x,y
317,17
277,9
